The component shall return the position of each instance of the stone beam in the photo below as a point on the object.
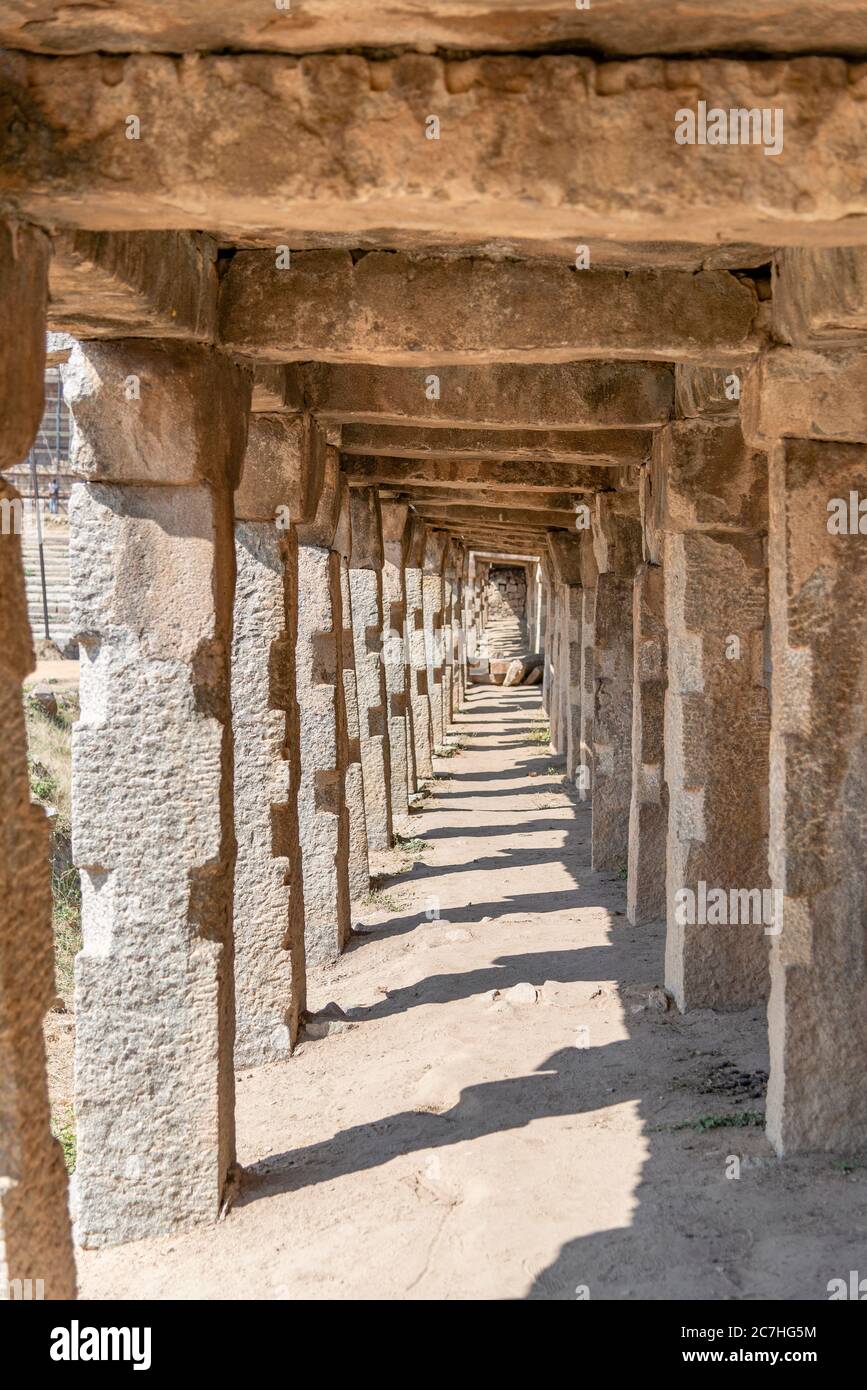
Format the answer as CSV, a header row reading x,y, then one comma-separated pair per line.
x,y
580,396
489,474
495,172
134,285
390,309
448,498
618,28
506,516
592,448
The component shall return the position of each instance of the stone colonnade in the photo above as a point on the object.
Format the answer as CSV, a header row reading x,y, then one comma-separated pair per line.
x,y
273,646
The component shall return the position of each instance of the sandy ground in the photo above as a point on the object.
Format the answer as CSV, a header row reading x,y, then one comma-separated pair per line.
x,y
453,1143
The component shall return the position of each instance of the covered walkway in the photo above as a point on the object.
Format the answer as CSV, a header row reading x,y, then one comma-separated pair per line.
x,y
453,1138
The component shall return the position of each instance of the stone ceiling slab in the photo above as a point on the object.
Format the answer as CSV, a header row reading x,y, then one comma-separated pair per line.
x,y
593,448
606,26
551,146
452,477
579,396
390,309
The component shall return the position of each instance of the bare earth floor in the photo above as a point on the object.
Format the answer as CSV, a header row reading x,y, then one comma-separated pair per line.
x,y
455,1143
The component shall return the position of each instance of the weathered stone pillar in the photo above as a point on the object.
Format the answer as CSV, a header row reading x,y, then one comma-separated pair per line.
x,y
36,1258
709,495
353,779
817,1012
270,994
422,732
617,547
566,555
589,580
448,652
323,817
648,809
159,432
365,583
550,647
818,1006
432,597
458,638
394,518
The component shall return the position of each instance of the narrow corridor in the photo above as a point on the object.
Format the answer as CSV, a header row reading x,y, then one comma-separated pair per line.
x,y
509,1108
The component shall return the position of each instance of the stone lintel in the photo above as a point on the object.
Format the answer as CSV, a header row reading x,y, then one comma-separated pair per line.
x,y
578,396
495,174
585,449
389,309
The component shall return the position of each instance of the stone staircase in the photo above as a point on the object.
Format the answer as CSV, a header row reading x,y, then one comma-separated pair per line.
x,y
55,537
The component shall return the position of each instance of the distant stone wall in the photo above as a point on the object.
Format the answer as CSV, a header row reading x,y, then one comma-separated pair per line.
x,y
507,593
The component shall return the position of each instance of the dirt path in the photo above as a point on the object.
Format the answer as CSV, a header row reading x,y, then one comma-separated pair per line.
x,y
458,1141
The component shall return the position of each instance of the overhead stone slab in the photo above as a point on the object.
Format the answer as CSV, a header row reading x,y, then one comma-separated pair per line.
x,y
448,478
244,144
511,516
606,26
581,395
448,498
395,310
134,285
592,448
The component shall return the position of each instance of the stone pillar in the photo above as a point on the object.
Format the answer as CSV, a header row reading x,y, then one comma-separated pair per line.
x,y
548,667
448,653
323,817
394,517
365,583
422,732
432,597
709,494
648,809
589,580
270,995
36,1256
617,547
353,780
565,551
817,1013
458,636
159,433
